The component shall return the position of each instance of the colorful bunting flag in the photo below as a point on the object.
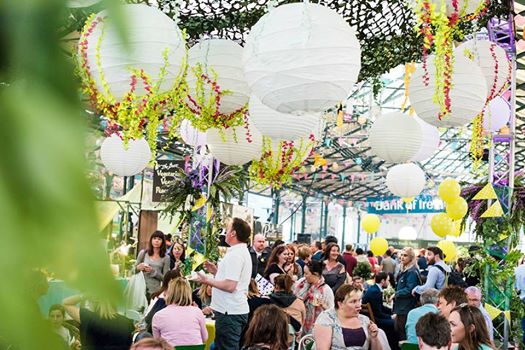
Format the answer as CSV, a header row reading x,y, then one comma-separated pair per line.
x,y
495,211
492,311
486,192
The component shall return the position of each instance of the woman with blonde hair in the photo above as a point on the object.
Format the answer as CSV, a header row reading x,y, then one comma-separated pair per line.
x,y
343,327
180,323
407,280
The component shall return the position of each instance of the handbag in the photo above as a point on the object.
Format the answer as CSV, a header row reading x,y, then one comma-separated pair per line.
x,y
135,293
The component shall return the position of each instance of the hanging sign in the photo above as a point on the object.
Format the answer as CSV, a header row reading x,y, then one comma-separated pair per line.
x,y
163,176
396,205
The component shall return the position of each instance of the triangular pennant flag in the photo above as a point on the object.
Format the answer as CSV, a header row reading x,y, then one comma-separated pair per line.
x,y
495,211
507,315
486,192
492,311
209,213
503,236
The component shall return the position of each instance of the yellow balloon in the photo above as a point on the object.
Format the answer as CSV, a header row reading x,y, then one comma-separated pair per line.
x,y
441,224
449,190
456,230
449,249
371,223
457,209
378,246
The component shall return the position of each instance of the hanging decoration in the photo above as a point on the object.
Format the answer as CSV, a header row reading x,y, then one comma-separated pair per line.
x,y
190,135
466,96
133,88
122,159
487,192
280,160
457,209
282,126
378,246
232,147
406,180
449,190
429,143
439,22
496,114
449,249
371,223
301,57
494,211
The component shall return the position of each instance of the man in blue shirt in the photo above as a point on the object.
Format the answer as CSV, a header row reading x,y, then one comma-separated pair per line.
x,y
437,271
520,286
429,300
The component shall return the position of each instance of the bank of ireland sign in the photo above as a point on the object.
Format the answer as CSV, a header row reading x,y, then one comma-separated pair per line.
x,y
395,205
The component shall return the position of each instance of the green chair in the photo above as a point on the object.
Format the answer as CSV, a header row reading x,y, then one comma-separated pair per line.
x,y
190,347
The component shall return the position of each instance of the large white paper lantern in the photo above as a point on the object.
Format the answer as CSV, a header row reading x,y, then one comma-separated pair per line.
x,y
150,35
405,180
395,137
224,57
281,126
496,114
190,135
301,57
232,147
429,141
467,94
124,161
488,55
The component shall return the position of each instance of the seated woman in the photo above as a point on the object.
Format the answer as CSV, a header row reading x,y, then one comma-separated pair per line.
x,y
158,299
68,333
180,323
268,330
202,297
285,299
101,329
469,329
316,295
343,327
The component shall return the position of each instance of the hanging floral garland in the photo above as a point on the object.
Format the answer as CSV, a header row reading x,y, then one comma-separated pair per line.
x,y
279,162
203,107
439,29
134,116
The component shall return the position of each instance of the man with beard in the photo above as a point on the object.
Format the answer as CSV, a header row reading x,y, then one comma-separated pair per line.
x,y
437,271
262,254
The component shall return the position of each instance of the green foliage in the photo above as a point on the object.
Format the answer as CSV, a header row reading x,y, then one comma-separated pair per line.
x,y
363,270
48,213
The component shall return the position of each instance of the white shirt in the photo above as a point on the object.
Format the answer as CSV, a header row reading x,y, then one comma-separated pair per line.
x,y
520,281
235,266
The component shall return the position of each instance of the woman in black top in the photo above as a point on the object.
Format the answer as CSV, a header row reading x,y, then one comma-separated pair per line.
x,y
277,264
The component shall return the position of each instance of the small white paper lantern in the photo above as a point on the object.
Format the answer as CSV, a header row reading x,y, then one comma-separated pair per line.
x,y
301,57
151,32
281,126
429,142
224,57
190,135
125,162
231,152
496,114
395,137
467,94
405,180
479,51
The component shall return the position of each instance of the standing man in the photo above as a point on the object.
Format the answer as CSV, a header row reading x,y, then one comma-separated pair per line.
x,y
350,260
230,286
474,299
317,250
388,265
437,271
262,252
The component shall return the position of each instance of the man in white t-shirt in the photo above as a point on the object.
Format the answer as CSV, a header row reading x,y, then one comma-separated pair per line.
x,y
230,287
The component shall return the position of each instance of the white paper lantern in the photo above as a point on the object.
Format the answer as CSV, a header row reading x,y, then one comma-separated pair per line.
x,y
395,137
429,141
301,57
231,152
224,57
479,51
496,114
467,94
281,126
150,34
405,180
125,162
190,135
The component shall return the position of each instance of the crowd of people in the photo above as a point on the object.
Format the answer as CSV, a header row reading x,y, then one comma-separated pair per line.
x,y
403,297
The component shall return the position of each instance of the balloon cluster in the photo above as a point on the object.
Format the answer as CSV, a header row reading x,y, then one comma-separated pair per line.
x,y
449,223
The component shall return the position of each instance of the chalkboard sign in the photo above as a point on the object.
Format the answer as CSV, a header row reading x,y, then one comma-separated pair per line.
x,y
163,176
